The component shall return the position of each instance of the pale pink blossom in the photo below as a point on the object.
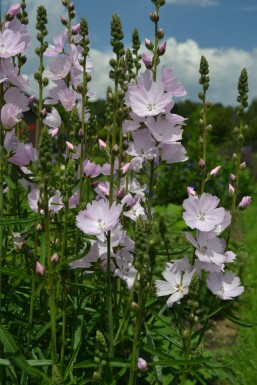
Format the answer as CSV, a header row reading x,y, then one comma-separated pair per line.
x,y
14,10
191,191
57,48
55,258
39,268
147,60
10,115
125,270
98,218
101,144
173,153
215,171
24,154
91,169
147,98
11,43
171,83
67,98
53,119
142,364
225,286
162,48
143,145
163,130
231,189
245,202
202,212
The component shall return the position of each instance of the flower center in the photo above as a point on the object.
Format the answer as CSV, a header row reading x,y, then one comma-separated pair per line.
x,y
201,216
151,106
2,49
101,224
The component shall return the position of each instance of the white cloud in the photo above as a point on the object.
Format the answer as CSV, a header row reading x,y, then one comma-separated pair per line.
x,y
225,65
198,3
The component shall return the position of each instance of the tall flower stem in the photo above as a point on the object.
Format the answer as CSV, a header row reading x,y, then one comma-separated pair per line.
x,y
137,330
1,191
204,81
239,133
50,283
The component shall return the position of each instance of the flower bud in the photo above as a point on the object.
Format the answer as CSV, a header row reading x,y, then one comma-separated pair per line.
x,y
101,144
162,48
154,17
43,113
243,166
191,191
149,45
232,177
160,33
142,364
64,21
244,202
215,171
147,60
202,164
231,189
40,268
55,258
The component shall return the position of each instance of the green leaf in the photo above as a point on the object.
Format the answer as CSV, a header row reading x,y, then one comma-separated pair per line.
x,y
10,183
20,221
240,322
15,273
16,358
157,368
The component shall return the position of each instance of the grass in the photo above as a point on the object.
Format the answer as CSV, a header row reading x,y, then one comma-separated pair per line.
x,y
244,371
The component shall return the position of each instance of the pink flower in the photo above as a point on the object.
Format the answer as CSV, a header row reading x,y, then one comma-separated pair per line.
x,y
191,191
215,171
231,189
10,44
91,170
173,153
147,60
147,98
245,202
98,218
201,213
171,83
225,286
162,48
101,144
14,10
67,98
40,268
10,115
53,120
54,50
55,258
163,130
142,364
24,154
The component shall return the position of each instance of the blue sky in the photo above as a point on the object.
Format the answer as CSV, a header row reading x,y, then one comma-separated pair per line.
x,y
224,31
226,23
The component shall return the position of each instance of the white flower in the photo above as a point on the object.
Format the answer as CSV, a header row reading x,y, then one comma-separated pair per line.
x,y
176,283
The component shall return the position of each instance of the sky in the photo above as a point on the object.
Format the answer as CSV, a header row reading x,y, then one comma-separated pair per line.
x,y
224,31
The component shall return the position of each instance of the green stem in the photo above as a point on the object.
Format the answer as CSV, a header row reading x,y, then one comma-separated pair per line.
x,y
204,138
50,280
109,297
134,354
64,302
1,192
